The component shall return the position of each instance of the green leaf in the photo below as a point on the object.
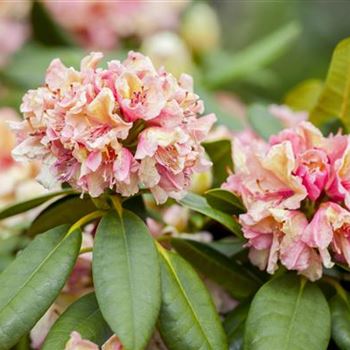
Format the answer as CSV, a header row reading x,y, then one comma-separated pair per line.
x,y
234,326
30,204
340,311
305,95
220,154
253,58
262,121
200,204
33,281
217,267
67,210
288,313
127,278
335,97
188,319
84,317
228,246
45,29
225,201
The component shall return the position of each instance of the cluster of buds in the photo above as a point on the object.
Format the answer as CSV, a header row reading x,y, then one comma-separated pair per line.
x,y
296,189
123,128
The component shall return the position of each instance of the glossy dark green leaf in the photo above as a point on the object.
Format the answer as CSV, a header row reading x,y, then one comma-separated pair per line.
x,y
220,153
188,319
200,204
228,246
253,58
340,311
45,29
234,325
30,204
262,121
67,210
84,317
217,267
225,201
32,282
127,278
288,313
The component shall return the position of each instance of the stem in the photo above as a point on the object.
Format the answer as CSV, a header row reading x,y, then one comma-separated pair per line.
x,y
336,285
85,220
117,204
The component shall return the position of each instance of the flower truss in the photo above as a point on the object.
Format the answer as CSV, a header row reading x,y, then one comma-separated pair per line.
x,y
123,128
296,191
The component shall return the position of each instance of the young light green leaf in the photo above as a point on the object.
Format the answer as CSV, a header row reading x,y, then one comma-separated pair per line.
x,y
225,201
188,319
67,210
234,325
340,311
262,121
200,204
288,313
305,95
217,267
30,204
335,97
127,278
84,317
32,282
220,154
253,58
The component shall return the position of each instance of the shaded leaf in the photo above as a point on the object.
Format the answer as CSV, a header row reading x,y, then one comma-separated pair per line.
x,y
200,204
188,319
340,311
67,210
217,267
32,282
127,278
84,317
234,325
21,207
220,154
288,313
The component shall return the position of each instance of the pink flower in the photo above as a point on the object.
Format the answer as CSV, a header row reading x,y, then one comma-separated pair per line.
x,y
77,343
279,238
330,229
120,128
101,24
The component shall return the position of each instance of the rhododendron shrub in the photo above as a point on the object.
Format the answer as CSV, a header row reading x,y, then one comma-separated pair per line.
x,y
162,231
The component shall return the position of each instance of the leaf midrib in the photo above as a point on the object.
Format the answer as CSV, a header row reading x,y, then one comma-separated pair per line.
x,y
32,274
166,258
302,285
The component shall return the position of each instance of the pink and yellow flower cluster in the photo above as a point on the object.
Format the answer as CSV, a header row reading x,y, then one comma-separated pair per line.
x,y
296,189
123,128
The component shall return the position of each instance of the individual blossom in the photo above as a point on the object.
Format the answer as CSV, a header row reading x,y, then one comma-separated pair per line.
x,y
102,24
286,116
123,128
